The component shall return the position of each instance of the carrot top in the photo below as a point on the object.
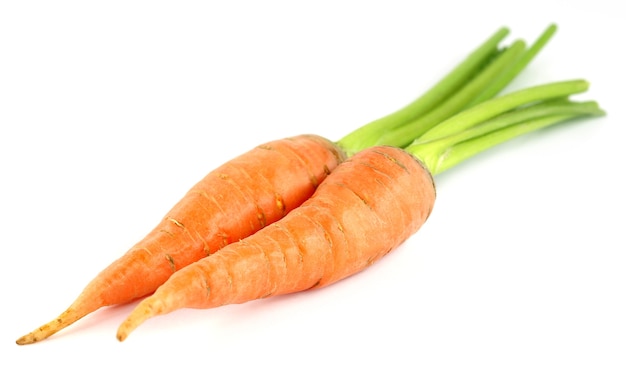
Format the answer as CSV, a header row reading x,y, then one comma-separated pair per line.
x,y
480,77
498,120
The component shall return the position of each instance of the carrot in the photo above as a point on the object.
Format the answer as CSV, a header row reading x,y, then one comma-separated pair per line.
x,y
365,208
230,203
261,186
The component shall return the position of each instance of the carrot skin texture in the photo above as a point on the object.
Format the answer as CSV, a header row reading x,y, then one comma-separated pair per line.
x,y
230,203
233,201
368,206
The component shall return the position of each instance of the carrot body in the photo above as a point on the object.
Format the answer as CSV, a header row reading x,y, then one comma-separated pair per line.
x,y
368,206
256,189
230,203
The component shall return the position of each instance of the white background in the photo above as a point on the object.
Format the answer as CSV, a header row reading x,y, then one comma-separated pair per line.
x,y
110,111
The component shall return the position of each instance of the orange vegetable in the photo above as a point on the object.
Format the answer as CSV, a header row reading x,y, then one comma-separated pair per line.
x,y
262,185
230,203
365,208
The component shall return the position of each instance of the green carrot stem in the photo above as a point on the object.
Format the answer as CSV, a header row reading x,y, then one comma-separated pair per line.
x,y
506,78
368,134
464,151
517,115
483,87
443,153
496,106
401,137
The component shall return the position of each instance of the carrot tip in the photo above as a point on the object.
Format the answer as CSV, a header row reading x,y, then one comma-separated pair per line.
x,y
71,315
127,327
40,334
26,339
121,336
142,312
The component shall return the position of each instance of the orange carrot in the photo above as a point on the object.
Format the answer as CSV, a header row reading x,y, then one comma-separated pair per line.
x,y
365,208
230,203
261,186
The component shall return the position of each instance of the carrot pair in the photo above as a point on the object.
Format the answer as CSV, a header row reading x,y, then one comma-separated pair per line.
x,y
231,202
260,187
365,208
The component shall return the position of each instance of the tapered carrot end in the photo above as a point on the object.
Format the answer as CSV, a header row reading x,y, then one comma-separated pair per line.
x,y
29,338
126,328
146,309
65,319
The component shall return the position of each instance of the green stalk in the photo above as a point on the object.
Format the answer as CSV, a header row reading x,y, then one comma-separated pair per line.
x,y
506,78
368,134
483,87
496,106
401,137
443,153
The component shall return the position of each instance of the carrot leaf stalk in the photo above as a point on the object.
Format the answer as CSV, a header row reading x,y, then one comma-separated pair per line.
x,y
367,135
508,75
498,120
474,81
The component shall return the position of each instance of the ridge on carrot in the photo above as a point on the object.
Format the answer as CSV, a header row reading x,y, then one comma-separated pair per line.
x,y
369,205
261,186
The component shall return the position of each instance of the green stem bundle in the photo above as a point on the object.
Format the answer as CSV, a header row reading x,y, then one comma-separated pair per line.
x,y
498,120
481,76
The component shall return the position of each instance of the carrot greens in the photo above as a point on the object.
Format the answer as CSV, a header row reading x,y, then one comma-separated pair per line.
x,y
480,77
498,120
